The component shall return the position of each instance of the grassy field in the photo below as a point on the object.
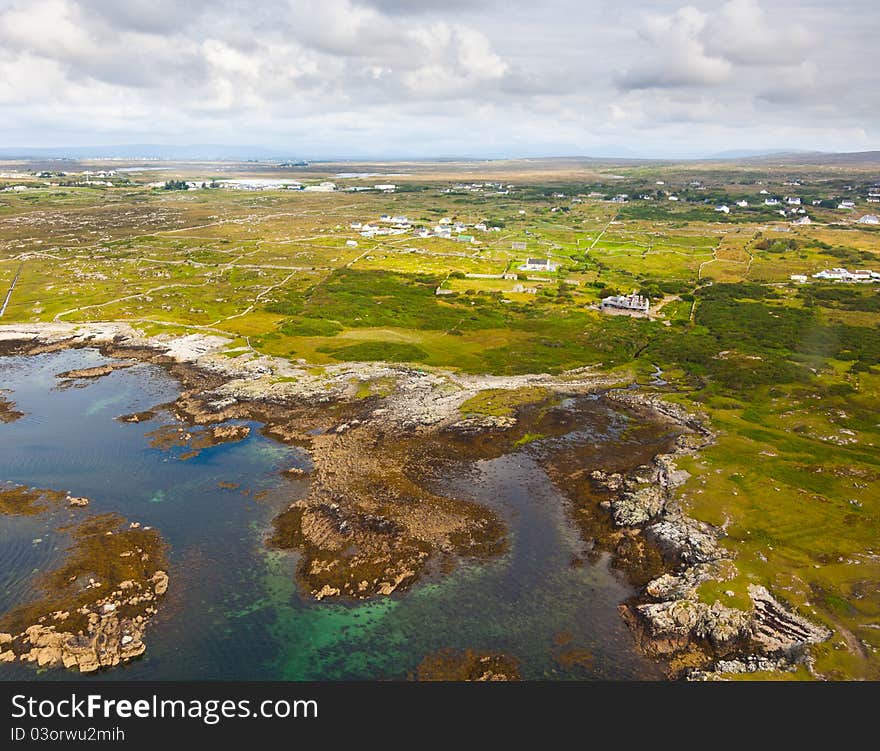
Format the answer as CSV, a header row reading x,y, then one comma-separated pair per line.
x,y
788,373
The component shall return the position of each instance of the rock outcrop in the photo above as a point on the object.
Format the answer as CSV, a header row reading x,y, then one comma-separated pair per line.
x,y
85,624
669,619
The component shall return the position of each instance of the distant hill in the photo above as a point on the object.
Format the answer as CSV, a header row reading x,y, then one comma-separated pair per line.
x,y
852,158
244,153
167,152
757,153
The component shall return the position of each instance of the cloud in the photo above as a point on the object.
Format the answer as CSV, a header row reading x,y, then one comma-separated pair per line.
x,y
418,7
677,55
480,77
743,34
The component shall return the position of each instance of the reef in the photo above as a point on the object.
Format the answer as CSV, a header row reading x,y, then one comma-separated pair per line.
x,y
95,607
8,412
467,665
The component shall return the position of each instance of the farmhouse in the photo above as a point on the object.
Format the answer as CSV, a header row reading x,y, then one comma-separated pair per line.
x,y
635,304
869,219
325,187
538,264
843,275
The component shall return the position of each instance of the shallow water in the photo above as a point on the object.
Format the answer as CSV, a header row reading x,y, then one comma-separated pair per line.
x,y
232,611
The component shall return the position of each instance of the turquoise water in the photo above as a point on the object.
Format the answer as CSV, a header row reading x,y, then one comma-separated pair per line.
x,y
232,611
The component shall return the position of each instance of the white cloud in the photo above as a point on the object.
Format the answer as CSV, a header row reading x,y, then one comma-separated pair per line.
x,y
744,34
677,55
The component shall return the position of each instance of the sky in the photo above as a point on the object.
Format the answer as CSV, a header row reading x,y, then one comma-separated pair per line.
x,y
443,78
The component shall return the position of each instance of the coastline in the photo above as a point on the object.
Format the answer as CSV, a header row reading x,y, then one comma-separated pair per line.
x,y
350,436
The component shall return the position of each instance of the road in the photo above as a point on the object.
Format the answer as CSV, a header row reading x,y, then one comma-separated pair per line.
x,y
11,290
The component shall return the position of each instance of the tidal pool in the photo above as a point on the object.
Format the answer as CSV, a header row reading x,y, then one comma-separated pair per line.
x,y
232,610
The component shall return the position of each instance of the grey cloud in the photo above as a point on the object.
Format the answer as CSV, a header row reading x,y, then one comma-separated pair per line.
x,y
745,34
419,7
363,75
677,54
145,16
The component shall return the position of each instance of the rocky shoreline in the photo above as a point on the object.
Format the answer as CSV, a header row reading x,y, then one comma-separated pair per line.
x,y
369,526
698,640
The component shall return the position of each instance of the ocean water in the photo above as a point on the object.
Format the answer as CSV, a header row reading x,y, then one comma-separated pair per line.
x,y
233,610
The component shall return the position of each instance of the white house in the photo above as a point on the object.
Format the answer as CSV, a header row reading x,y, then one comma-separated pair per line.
x,y
846,205
793,201
325,187
836,275
538,264
842,275
802,220
634,303
722,209
742,204
869,219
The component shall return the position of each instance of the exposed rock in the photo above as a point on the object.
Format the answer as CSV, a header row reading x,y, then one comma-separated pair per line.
x,y
482,423
686,540
747,664
684,584
108,642
326,591
230,433
160,583
636,507
96,372
779,630
724,627
135,417
77,501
